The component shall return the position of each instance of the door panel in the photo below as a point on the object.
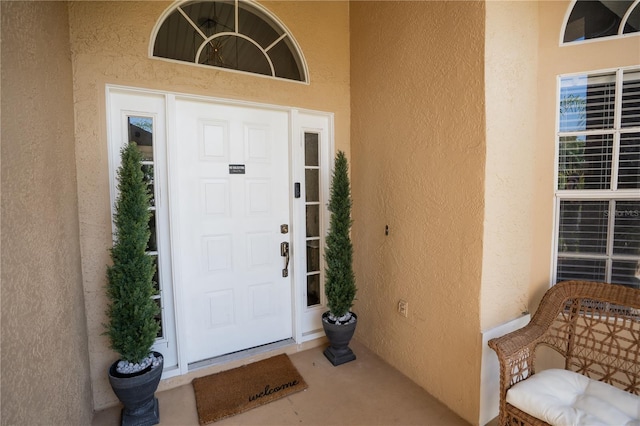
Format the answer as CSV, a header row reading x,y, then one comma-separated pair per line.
x,y
232,195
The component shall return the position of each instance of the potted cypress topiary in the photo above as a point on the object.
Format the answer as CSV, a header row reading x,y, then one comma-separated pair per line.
x,y
340,288
132,326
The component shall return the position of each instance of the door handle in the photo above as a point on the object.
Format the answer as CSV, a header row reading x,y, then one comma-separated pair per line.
x,y
284,252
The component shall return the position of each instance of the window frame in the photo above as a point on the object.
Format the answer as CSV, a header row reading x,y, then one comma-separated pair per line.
x,y
619,35
612,195
121,104
259,11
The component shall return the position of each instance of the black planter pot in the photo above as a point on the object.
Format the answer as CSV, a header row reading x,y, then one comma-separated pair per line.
x,y
339,337
136,392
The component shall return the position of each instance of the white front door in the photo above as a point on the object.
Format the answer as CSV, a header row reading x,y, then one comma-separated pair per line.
x,y
230,191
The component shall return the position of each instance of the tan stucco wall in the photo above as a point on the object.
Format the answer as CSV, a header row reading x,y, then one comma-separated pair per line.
x,y
110,42
553,61
418,144
511,59
45,362
464,236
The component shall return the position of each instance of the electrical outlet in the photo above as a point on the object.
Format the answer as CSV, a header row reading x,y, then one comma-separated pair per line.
x,y
403,308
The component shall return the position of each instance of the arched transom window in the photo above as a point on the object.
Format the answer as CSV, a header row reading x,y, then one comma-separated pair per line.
x,y
232,34
591,19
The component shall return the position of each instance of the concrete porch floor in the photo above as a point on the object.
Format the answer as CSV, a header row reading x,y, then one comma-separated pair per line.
x,y
366,391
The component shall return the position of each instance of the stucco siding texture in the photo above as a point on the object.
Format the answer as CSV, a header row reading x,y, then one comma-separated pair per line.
x,y
511,64
45,363
110,45
418,158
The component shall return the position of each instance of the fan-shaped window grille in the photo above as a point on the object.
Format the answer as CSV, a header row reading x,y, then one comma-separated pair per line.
x,y
606,18
236,35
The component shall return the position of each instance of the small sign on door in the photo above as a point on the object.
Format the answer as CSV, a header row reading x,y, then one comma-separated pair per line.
x,y
236,169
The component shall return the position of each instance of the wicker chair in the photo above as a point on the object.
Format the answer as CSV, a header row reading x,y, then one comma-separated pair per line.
x,y
594,326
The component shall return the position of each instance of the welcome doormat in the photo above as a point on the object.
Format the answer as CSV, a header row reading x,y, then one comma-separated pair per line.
x,y
235,391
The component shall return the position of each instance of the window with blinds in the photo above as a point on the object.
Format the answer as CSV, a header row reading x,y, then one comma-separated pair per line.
x,y
598,178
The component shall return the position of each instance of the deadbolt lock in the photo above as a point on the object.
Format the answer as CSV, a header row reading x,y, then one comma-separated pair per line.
x,y
284,228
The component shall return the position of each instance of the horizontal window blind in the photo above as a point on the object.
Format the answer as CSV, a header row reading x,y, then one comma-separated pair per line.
x,y
585,162
598,178
631,99
599,239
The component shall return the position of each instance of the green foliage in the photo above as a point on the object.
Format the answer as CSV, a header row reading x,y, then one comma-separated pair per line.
x,y
571,156
340,282
132,327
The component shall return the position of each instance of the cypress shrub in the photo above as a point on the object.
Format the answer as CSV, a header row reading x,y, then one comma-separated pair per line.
x,y
132,327
340,282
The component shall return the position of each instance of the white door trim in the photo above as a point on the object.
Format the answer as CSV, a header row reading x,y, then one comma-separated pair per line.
x,y
308,319
300,120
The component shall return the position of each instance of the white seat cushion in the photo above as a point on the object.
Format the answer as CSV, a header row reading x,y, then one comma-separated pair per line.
x,y
561,397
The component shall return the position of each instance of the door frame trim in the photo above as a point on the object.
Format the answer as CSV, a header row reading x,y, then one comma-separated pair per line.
x,y
309,323
298,123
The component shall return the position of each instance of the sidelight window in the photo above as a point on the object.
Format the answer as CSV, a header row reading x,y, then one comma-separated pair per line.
x,y
140,131
312,207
